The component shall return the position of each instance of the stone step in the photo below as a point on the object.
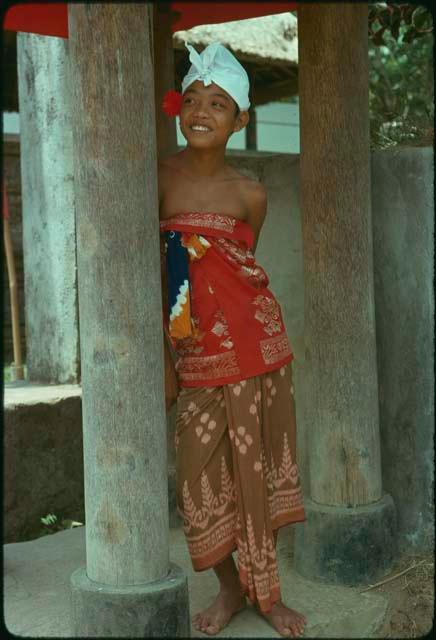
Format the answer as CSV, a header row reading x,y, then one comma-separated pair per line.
x,y
37,594
44,450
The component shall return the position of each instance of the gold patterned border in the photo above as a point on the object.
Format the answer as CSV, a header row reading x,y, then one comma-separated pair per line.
x,y
220,534
212,220
210,367
274,349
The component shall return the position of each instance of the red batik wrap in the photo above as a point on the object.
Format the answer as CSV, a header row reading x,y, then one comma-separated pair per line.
x,y
238,325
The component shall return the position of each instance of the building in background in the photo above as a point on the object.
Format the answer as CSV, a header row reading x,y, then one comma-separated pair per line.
x,y
278,128
268,49
11,123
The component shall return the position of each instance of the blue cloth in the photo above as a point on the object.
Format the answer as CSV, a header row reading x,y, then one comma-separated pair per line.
x,y
177,263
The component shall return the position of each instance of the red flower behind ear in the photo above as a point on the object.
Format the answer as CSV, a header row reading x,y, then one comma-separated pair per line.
x,y
172,103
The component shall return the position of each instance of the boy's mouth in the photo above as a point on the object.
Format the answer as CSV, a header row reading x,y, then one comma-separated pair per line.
x,y
200,128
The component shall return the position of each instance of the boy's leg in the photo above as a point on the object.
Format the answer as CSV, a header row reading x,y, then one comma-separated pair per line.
x,y
229,600
261,414
285,498
228,426
206,498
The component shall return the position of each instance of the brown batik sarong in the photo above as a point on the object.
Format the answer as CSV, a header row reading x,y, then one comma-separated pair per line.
x,y
237,477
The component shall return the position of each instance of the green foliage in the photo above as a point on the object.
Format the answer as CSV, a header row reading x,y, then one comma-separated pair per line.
x,y
401,88
51,524
7,374
416,22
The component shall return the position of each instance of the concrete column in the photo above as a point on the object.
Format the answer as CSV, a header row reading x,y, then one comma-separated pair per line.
x,y
129,588
49,246
403,206
349,536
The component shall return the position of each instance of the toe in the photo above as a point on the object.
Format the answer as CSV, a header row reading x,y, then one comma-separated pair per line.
x,y
204,624
212,629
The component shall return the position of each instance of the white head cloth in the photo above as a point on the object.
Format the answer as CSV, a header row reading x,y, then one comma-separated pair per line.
x,y
216,64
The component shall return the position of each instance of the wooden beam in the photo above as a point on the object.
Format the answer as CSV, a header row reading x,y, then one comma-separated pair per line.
x,y
263,95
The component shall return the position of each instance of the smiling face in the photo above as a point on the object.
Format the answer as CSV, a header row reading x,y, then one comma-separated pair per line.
x,y
209,116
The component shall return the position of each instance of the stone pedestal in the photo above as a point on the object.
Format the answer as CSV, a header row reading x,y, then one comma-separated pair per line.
x,y
348,546
157,609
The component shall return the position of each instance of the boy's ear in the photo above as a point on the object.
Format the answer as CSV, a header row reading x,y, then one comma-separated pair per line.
x,y
241,120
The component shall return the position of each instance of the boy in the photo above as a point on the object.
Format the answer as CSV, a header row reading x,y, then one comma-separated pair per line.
x,y
237,480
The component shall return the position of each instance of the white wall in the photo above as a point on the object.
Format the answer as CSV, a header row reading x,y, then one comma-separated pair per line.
x,y
278,127
11,122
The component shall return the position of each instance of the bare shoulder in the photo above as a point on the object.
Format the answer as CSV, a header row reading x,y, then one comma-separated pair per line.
x,y
255,199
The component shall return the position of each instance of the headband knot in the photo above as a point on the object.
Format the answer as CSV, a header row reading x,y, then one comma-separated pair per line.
x,y
205,76
217,64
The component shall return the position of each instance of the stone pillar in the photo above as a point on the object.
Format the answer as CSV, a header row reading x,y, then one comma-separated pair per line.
x,y
350,533
49,245
403,212
128,588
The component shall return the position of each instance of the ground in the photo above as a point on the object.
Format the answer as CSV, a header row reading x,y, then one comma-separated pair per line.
x,y
411,598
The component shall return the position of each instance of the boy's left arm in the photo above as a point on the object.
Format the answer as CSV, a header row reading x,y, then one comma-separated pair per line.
x,y
256,206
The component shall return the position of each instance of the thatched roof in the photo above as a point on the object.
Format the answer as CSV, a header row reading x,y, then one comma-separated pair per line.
x,y
266,46
266,40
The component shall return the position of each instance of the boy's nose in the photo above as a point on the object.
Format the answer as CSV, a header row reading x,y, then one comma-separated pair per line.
x,y
200,110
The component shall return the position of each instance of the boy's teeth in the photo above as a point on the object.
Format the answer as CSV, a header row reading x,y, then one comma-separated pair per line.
x,y
199,128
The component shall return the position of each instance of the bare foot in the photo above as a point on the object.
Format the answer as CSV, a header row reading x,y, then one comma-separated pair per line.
x,y
217,616
286,621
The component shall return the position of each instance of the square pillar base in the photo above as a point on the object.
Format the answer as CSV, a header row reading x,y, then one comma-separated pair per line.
x,y
349,546
158,609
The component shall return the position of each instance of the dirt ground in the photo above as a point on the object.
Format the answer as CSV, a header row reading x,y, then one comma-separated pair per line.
x,y
411,595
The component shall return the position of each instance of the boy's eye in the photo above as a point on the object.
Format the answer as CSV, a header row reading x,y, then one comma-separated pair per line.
x,y
217,104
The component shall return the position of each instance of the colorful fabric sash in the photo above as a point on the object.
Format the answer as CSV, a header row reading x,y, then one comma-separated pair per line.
x,y
180,248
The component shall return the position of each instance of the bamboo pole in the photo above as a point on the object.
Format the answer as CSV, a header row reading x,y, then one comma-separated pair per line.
x,y
17,368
